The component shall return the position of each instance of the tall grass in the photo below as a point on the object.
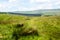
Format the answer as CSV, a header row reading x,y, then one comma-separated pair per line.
x,y
48,28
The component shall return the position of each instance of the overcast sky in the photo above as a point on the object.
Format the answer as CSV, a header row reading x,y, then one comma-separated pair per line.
x,y
28,5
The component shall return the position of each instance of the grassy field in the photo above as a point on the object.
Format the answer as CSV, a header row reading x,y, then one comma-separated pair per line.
x,y
16,27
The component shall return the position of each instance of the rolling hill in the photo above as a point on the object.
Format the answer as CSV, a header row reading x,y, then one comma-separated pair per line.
x,y
37,12
42,11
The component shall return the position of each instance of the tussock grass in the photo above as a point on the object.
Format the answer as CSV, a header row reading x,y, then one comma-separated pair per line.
x,y
47,28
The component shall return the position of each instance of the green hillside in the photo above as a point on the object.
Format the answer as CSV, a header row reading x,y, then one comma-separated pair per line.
x,y
18,27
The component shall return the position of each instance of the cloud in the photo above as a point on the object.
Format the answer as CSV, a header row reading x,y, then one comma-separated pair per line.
x,y
21,8
46,4
0,6
7,7
36,1
57,3
20,5
12,0
42,6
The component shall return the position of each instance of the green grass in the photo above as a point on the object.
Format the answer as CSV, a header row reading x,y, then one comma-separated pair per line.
x,y
48,28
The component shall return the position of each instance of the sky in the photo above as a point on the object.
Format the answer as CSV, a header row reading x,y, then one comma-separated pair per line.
x,y
28,5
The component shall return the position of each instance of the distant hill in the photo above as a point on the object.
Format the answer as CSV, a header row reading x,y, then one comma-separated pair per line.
x,y
37,12
42,11
26,14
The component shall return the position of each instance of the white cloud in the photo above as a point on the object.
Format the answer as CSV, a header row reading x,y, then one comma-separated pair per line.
x,y
27,9
3,7
46,4
21,8
57,3
42,6
6,7
35,1
18,5
0,5
12,0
